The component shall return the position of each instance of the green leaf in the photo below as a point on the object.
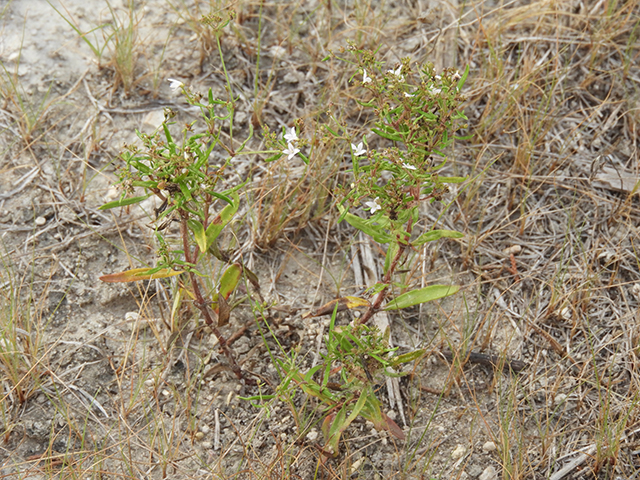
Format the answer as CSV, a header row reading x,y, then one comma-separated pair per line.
x,y
366,226
221,220
273,157
436,235
422,295
451,179
199,234
463,78
170,143
185,190
230,279
391,136
407,357
391,253
123,202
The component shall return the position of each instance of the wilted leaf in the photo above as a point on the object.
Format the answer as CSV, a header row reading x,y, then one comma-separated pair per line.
x,y
230,279
422,295
344,303
198,233
137,274
224,311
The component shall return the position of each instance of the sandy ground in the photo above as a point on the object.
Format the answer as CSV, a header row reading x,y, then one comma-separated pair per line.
x,y
548,265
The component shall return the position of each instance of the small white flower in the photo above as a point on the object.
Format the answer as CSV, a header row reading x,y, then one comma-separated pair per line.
x,y
365,77
175,84
290,151
398,73
456,76
434,91
358,149
291,136
374,206
408,167
408,95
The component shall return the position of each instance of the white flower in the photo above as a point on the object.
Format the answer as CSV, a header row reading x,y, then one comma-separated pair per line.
x,y
408,167
365,77
291,136
175,84
434,91
398,73
290,151
358,149
374,206
456,76
408,95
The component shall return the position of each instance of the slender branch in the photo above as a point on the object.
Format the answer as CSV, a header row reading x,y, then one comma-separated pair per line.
x,y
375,306
201,303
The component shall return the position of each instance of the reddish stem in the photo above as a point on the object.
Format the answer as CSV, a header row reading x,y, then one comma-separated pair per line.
x,y
201,303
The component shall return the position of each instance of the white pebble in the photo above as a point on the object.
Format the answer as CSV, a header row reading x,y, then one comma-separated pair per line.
x,y
489,447
488,474
40,221
458,452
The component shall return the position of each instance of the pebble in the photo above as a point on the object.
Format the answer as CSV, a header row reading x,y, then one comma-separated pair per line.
x,y
40,221
458,452
488,474
489,447
312,435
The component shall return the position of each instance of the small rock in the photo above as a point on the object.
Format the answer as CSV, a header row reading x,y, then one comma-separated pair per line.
x,y
312,435
559,398
356,465
489,447
40,221
205,429
458,452
513,249
488,474
199,436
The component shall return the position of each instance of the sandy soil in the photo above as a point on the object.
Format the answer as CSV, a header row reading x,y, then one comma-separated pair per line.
x,y
115,394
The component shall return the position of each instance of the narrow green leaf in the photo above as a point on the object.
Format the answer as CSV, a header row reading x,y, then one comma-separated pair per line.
x,y
463,78
366,226
185,190
392,250
390,136
451,179
436,235
422,295
123,202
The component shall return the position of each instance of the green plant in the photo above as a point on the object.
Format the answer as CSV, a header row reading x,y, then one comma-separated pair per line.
x,y
119,38
416,114
182,176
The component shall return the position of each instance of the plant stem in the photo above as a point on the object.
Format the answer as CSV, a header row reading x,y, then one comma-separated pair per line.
x,y
375,306
201,303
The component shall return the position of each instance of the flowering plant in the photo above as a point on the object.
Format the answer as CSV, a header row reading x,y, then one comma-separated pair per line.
x,y
417,112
